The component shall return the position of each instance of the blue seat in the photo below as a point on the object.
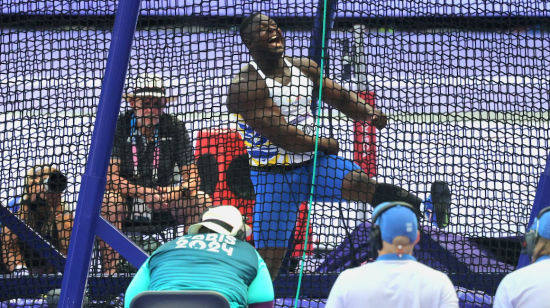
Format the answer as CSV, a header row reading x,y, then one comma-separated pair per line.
x,y
179,299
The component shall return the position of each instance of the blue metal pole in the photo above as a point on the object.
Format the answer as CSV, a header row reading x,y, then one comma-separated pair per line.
x,y
317,36
317,33
315,53
88,209
542,200
119,242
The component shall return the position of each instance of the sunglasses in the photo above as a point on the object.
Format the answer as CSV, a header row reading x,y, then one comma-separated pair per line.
x,y
151,103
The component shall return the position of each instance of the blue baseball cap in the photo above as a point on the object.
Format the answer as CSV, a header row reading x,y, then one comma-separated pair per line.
x,y
397,221
542,225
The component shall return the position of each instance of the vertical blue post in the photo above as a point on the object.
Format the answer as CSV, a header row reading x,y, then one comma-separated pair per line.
x,y
317,36
92,189
541,201
317,33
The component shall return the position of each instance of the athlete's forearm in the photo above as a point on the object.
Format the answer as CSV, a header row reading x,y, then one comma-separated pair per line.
x,y
349,103
292,139
346,101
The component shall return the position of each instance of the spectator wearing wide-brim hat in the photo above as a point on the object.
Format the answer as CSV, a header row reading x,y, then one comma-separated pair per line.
x,y
152,183
148,85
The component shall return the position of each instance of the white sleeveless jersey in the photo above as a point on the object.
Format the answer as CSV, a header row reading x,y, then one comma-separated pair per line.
x,y
294,101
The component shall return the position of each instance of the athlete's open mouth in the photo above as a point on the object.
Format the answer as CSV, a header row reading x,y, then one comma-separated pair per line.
x,y
275,41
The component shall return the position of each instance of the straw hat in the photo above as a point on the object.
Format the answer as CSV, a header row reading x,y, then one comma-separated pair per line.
x,y
149,85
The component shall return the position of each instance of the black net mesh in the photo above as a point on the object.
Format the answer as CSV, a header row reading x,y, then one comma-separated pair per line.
x,y
464,88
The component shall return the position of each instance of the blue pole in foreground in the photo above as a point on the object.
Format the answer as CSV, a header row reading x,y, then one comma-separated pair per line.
x,y
94,179
315,47
542,200
317,33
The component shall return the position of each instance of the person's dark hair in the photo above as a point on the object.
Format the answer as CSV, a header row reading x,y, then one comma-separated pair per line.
x,y
246,23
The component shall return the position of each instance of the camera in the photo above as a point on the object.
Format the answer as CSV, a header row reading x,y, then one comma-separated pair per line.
x,y
55,183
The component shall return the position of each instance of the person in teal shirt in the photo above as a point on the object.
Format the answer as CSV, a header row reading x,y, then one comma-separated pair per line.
x,y
214,256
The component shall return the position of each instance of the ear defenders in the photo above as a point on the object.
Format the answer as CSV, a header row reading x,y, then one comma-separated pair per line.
x,y
237,232
375,235
530,239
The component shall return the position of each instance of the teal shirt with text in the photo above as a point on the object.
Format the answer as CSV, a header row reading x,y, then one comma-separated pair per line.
x,y
213,262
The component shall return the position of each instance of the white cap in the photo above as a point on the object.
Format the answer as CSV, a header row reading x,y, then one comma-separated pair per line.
x,y
223,219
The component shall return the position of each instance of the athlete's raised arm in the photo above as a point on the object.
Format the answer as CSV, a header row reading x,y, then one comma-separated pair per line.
x,y
346,101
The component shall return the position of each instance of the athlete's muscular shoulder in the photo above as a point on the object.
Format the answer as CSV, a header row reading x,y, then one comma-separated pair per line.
x,y
247,87
309,67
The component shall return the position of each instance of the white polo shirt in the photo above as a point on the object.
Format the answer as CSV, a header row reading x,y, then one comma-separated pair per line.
x,y
528,287
393,282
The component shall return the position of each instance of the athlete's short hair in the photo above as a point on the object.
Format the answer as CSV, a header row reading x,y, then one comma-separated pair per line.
x,y
246,23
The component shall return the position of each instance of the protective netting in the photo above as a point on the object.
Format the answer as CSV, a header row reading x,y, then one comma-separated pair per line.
x,y
465,88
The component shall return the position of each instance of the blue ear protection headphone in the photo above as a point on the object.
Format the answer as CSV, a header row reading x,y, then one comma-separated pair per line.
x,y
375,235
531,237
241,233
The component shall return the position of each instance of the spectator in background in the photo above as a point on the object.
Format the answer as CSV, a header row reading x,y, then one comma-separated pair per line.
x,y
42,208
152,181
214,256
530,286
395,279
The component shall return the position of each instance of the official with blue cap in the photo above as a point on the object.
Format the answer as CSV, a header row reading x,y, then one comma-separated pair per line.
x,y
396,279
388,229
529,286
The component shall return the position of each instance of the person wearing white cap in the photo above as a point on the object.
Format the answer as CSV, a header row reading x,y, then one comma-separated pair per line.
x,y
529,287
214,256
152,183
395,279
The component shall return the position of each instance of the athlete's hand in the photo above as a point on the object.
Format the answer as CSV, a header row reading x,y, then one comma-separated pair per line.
x,y
379,119
329,146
